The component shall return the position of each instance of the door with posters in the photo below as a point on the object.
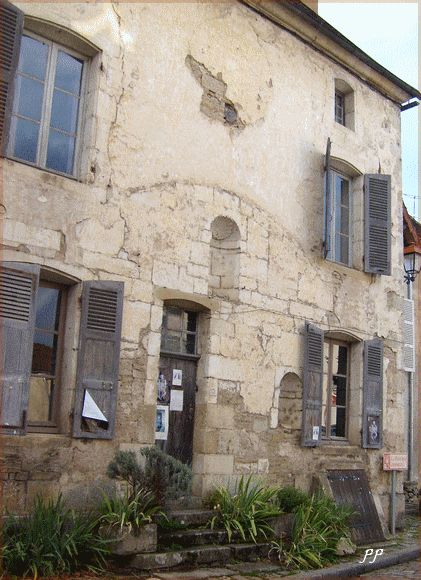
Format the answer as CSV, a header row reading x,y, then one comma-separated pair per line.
x,y
177,383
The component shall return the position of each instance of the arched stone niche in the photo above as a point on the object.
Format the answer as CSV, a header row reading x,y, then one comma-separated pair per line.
x,y
225,258
290,403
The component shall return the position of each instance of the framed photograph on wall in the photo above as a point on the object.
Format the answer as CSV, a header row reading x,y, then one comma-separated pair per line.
x,y
162,418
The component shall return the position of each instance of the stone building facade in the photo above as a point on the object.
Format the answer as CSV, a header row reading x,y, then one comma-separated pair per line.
x,y
188,208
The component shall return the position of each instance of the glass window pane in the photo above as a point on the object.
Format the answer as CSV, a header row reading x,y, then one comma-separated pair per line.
x,y
29,98
191,321
45,353
40,394
344,220
68,73
60,152
344,250
171,342
33,58
25,135
64,112
174,319
48,306
338,428
342,360
344,200
189,343
340,383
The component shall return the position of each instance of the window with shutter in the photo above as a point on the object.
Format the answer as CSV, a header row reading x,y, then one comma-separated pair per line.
x,y
372,417
98,360
377,223
312,387
11,23
18,292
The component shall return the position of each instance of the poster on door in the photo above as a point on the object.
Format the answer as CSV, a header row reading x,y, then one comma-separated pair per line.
x,y
176,401
177,375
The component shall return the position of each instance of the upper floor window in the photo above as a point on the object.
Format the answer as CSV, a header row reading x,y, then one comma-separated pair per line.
x,y
344,104
47,105
44,70
339,220
179,331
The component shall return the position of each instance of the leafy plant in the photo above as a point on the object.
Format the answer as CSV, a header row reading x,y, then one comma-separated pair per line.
x,y
163,475
212,499
318,527
52,539
123,511
290,498
247,511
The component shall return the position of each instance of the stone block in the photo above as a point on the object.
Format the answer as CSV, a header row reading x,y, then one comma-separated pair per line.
x,y
126,542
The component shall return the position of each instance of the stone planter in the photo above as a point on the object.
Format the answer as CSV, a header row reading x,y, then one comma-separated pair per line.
x,y
126,542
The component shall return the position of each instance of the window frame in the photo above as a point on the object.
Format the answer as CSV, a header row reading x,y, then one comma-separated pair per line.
x,y
329,343
333,217
340,115
52,424
183,333
47,100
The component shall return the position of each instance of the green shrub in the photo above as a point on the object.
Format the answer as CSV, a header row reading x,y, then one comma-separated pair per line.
x,y
290,498
166,477
319,525
51,540
120,511
247,511
212,499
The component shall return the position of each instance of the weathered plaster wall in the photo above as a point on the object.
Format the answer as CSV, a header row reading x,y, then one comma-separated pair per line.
x,y
156,170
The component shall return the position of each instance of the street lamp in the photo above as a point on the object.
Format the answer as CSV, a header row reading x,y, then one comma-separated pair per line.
x,y
409,264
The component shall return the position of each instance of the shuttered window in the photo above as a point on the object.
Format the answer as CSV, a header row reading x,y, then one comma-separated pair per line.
x,y
98,360
11,23
377,224
18,292
312,387
372,431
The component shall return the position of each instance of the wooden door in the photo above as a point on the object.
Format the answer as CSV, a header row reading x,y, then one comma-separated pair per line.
x,y
179,443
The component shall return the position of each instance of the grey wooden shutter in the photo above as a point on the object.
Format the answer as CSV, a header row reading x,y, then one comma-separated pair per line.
x,y
377,225
409,335
328,211
372,415
11,24
98,360
18,290
312,387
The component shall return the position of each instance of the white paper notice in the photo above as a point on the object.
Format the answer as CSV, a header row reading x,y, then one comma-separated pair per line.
x,y
91,410
176,402
176,377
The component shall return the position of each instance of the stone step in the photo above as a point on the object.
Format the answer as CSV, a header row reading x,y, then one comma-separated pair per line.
x,y
191,518
208,554
193,537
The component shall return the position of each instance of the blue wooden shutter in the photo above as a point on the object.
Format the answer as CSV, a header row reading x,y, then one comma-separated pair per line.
x,y
11,24
328,202
377,224
312,387
372,416
98,360
18,290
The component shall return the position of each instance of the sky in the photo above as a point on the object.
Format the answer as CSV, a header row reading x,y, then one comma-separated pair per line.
x,y
388,32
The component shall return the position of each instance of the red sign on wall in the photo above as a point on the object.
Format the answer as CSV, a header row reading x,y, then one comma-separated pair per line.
x,y
395,461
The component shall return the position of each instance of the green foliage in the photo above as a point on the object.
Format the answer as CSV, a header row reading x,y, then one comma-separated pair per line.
x,y
290,498
248,511
166,477
119,511
212,499
318,527
51,540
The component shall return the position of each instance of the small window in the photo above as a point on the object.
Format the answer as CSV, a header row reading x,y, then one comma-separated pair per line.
x,y
46,355
339,239
47,105
335,389
344,104
179,331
